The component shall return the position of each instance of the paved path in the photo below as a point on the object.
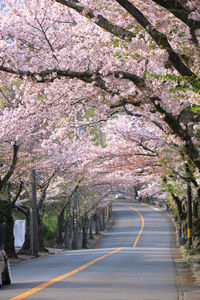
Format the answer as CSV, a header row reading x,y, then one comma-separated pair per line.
x,y
133,262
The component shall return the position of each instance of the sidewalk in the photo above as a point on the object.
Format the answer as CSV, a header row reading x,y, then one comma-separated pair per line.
x,y
187,266
188,276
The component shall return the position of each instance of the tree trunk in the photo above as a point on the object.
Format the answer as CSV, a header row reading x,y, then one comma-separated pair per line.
x,y
110,212
97,224
75,225
102,219
196,205
9,236
67,236
59,234
90,229
195,209
85,232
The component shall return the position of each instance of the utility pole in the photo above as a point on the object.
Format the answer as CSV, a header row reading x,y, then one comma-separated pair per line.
x,y
189,214
74,238
100,135
34,221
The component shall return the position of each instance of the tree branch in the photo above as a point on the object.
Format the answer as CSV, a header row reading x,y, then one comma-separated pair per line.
x,y
12,167
99,20
176,199
50,75
18,194
22,209
182,13
161,40
189,147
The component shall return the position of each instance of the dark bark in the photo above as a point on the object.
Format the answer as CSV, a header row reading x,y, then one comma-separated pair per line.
x,y
90,228
5,179
75,225
67,236
110,214
9,205
189,148
34,215
102,219
41,211
99,20
182,13
177,200
7,211
97,223
60,230
60,225
84,232
9,235
196,204
161,40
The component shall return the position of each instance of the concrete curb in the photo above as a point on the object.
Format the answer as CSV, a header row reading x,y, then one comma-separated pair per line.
x,y
24,258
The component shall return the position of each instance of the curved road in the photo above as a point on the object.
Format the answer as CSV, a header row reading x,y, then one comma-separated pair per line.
x,y
133,262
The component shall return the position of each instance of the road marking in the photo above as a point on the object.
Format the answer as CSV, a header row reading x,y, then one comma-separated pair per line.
x,y
47,283
142,220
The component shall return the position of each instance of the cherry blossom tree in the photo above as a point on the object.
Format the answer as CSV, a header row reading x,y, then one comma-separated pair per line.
x,y
113,70
141,57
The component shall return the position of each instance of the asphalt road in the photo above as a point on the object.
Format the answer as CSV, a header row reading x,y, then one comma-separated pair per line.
x,y
132,262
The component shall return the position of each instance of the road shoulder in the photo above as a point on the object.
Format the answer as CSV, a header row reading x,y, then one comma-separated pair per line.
x,y
187,278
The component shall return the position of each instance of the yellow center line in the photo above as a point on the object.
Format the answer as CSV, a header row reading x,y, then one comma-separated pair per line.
x,y
47,283
142,220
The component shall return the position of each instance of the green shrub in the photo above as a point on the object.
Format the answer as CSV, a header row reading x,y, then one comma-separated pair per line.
x,y
49,227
